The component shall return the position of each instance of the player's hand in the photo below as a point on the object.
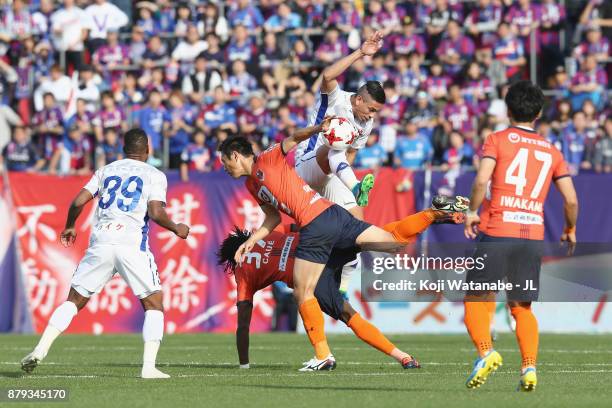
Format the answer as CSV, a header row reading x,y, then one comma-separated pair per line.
x,y
324,125
471,223
570,238
68,236
372,44
243,249
182,231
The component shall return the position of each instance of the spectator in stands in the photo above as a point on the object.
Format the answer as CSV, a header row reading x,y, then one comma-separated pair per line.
x,y
146,21
374,17
253,119
332,48
17,22
458,114
562,116
459,153
8,118
524,16
437,83
482,23
184,19
241,46
166,16
247,15
213,22
188,49
552,20
437,22
58,85
218,114
156,54
422,13
595,44
86,120
372,156
112,116
103,17
20,154
182,118
409,75
138,46
476,88
346,18
201,82
455,49
391,17
196,156
70,28
153,119
110,57
510,52
109,150
423,115
599,13
574,141
412,150
87,88
378,71
283,19
497,113
48,125
240,82
214,53
409,41
74,156
602,161
589,84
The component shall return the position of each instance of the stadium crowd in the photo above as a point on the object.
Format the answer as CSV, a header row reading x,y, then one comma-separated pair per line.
x,y
77,74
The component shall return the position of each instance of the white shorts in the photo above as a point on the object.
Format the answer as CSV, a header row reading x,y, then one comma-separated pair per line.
x,y
328,185
101,262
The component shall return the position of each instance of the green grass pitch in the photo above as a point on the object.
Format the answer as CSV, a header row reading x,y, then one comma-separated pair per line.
x,y
573,370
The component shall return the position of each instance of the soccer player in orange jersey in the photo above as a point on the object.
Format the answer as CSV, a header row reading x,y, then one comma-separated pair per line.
x,y
324,226
520,165
272,260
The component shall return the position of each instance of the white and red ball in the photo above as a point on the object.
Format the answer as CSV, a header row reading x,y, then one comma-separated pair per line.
x,y
340,135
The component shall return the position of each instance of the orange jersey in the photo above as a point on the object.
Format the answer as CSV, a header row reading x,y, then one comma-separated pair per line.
x,y
269,261
274,182
526,164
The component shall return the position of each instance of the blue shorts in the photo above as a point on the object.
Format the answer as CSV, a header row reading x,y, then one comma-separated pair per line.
x,y
327,290
334,228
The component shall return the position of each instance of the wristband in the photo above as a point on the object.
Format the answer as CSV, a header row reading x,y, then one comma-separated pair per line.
x,y
245,365
569,230
471,213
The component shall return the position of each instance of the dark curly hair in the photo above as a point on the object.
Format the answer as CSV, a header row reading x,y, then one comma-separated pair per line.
x,y
228,248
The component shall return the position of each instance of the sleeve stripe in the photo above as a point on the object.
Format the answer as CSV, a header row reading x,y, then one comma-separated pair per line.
x,y
489,157
282,150
560,177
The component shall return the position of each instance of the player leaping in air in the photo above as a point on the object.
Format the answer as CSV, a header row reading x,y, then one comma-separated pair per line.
x,y
329,171
272,260
131,192
520,165
324,226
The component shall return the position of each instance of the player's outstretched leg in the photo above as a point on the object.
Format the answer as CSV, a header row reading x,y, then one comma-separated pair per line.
x,y
152,334
527,337
59,322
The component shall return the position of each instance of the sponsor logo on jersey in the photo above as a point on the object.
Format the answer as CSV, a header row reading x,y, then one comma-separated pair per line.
x,y
282,263
514,137
260,175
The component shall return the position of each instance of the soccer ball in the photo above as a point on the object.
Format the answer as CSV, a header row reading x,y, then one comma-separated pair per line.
x,y
340,135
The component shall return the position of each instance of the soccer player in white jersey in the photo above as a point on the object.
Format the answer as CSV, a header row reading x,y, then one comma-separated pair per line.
x,y
131,193
326,170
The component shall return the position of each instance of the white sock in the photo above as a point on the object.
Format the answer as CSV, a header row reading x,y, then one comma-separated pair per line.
x,y
59,321
152,333
338,164
347,272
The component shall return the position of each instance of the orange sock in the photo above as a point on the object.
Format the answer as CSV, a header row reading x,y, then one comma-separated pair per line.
x,y
312,316
405,229
491,310
477,323
370,334
526,334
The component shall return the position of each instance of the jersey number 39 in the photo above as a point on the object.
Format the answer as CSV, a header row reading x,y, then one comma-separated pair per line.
x,y
131,190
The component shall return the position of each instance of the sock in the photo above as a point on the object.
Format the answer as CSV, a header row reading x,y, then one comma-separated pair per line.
x,y
491,311
347,271
406,229
526,334
152,334
59,321
478,325
338,164
370,334
312,316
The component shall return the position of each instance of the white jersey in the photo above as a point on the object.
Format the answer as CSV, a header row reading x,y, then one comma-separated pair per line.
x,y
336,103
125,188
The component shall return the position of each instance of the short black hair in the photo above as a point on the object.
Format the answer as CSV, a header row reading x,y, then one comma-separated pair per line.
x,y
228,248
525,101
237,144
375,90
135,141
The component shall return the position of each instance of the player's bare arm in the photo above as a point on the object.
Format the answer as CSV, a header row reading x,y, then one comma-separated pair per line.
x,y
68,235
479,189
245,309
369,47
565,185
304,134
271,221
157,213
